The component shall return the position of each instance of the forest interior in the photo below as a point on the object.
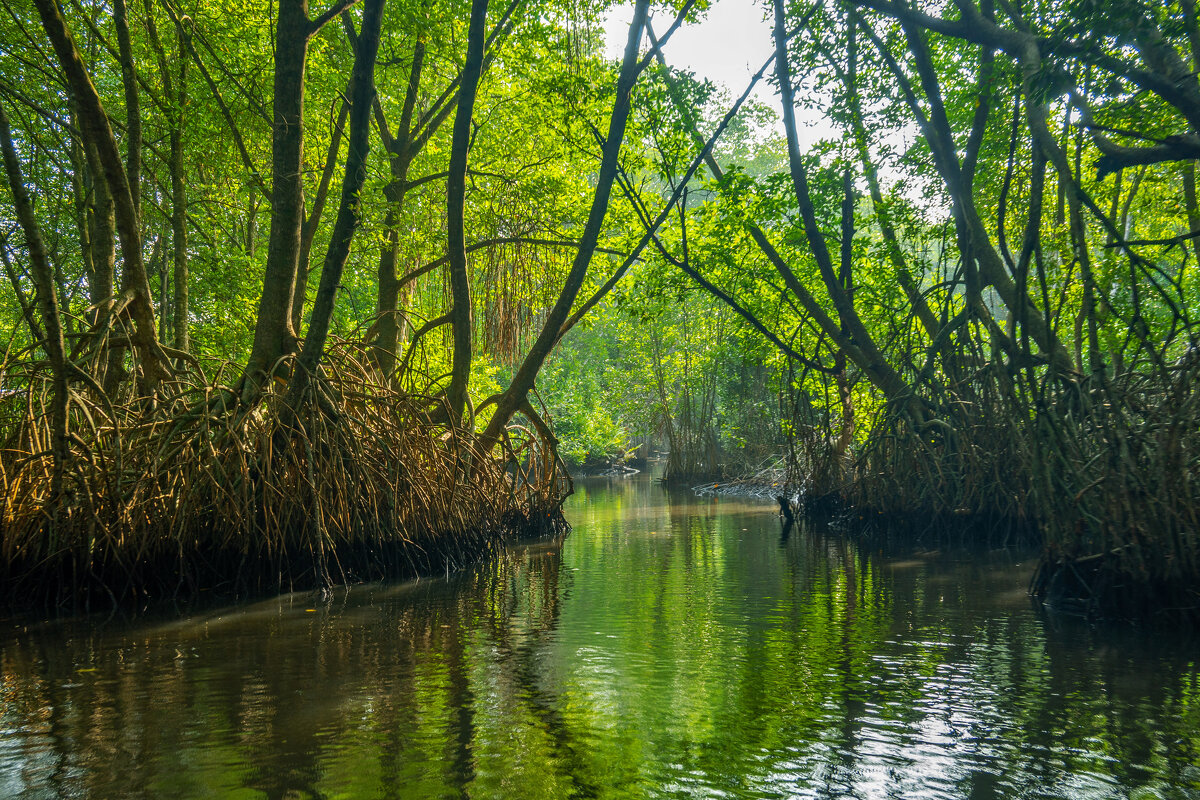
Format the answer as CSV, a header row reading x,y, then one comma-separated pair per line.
x,y
493,256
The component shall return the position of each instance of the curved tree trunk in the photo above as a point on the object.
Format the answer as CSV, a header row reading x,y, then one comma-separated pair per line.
x,y
47,302
97,132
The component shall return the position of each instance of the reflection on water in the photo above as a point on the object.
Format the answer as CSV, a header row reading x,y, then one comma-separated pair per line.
x,y
674,647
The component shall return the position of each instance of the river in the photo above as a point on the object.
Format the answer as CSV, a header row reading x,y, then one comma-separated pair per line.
x,y
671,647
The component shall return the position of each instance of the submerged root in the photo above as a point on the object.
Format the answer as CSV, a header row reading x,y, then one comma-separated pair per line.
x,y
356,483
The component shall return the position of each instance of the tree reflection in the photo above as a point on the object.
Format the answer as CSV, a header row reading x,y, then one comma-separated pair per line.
x,y
670,647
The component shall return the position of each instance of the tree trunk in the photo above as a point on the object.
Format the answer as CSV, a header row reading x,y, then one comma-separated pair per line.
x,y
390,330
274,335
851,335
518,390
308,230
394,293
103,258
877,371
158,269
133,115
96,131
386,346
101,227
175,97
456,246
47,302
362,94
179,272
1193,207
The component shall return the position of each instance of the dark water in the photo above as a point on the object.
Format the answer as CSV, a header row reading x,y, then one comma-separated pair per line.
x,y
670,649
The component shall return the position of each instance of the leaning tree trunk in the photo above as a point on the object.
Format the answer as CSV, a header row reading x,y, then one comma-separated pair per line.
x,y
850,330
308,230
96,131
517,393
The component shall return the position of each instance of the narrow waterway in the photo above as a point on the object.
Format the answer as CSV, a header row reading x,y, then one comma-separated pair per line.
x,y
672,647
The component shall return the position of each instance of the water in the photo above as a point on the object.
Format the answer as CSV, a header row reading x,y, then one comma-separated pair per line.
x,y
673,647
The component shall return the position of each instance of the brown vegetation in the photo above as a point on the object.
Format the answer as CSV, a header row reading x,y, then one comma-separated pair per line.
x,y
357,483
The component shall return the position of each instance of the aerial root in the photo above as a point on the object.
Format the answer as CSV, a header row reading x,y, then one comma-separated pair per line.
x,y
355,483
1105,474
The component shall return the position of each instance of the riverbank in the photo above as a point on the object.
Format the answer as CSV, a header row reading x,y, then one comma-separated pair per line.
x,y
1096,586
674,627
169,500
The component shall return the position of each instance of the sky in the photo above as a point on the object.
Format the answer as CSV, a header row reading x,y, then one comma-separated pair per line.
x,y
728,46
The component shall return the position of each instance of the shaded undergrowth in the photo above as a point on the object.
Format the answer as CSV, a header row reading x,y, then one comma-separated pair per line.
x,y
1103,472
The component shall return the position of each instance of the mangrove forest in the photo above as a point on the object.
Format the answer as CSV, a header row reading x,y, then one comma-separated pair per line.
x,y
301,296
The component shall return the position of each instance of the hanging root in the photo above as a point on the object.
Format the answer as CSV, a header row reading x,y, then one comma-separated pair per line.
x,y
354,483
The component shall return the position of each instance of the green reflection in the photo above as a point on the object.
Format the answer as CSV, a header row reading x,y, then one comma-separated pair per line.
x,y
672,646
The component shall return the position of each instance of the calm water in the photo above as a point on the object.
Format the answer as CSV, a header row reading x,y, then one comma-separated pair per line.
x,y
672,648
